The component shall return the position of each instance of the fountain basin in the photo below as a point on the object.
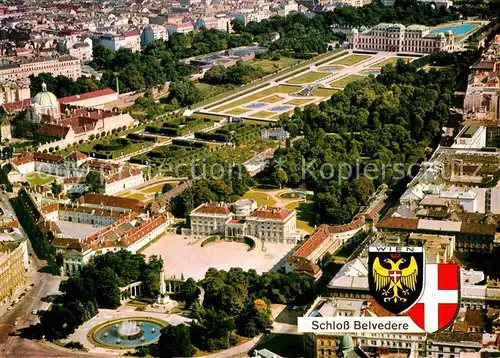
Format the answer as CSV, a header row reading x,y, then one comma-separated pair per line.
x,y
127,333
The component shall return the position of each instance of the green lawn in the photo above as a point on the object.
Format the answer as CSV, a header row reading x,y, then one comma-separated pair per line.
x,y
260,197
137,196
387,61
39,178
324,92
273,66
308,77
298,101
346,80
272,99
257,96
304,214
352,60
237,111
213,117
263,114
153,189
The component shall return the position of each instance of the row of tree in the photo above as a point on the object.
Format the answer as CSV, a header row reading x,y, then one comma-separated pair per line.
x,y
239,74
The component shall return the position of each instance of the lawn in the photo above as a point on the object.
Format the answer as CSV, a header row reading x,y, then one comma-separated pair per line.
x,y
272,99
289,113
260,197
298,101
387,61
263,114
352,60
285,345
324,92
273,66
153,189
137,196
346,80
257,96
304,214
39,178
237,111
308,77
213,117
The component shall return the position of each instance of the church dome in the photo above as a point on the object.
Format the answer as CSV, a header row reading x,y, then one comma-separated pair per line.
x,y
346,343
45,98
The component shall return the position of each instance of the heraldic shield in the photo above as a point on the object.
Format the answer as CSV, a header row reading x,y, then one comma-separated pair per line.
x,y
396,276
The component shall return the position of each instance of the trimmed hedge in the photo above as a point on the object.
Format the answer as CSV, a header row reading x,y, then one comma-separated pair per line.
x,y
219,137
244,240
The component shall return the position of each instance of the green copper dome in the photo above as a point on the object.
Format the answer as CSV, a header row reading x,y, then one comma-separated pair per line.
x,y
346,343
45,98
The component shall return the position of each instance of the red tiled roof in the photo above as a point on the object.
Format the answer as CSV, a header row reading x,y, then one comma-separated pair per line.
x,y
130,33
77,156
17,106
54,130
124,174
22,159
478,228
49,208
48,158
213,208
321,234
112,201
304,266
74,180
88,95
398,223
269,212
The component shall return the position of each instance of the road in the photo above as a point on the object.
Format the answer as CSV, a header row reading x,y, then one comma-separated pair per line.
x,y
44,284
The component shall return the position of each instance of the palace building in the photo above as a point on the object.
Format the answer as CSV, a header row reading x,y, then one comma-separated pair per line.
x,y
266,223
400,38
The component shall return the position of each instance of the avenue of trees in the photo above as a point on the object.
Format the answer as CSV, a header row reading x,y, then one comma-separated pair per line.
x,y
97,286
377,127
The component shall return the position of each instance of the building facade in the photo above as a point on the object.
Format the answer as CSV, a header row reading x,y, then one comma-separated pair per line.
x,y
20,70
13,267
400,38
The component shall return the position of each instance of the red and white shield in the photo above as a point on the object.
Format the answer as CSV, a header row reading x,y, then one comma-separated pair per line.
x,y
440,302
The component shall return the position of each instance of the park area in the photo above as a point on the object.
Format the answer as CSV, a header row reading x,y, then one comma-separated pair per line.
x,y
186,256
37,178
273,101
341,83
148,192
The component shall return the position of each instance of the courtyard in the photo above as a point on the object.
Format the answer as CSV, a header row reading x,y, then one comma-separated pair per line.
x,y
77,230
186,257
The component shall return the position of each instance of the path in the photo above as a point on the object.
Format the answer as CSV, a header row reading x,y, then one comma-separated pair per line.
x,y
104,315
236,352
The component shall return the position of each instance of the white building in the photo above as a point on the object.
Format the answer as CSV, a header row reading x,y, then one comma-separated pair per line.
x,y
181,28
123,180
127,39
400,38
267,223
17,70
153,32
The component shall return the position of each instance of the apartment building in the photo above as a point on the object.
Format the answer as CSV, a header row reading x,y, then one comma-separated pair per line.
x,y
58,66
153,32
13,267
126,39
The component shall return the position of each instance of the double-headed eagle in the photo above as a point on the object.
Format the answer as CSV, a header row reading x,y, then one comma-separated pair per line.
x,y
395,278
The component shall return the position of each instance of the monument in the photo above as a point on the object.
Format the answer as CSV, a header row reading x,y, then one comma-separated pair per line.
x,y
163,298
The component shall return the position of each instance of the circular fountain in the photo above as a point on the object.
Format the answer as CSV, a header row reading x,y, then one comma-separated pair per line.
x,y
129,330
127,333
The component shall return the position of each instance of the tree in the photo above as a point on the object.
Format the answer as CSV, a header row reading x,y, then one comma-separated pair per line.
x,y
166,188
184,92
56,188
254,319
190,291
94,182
175,341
